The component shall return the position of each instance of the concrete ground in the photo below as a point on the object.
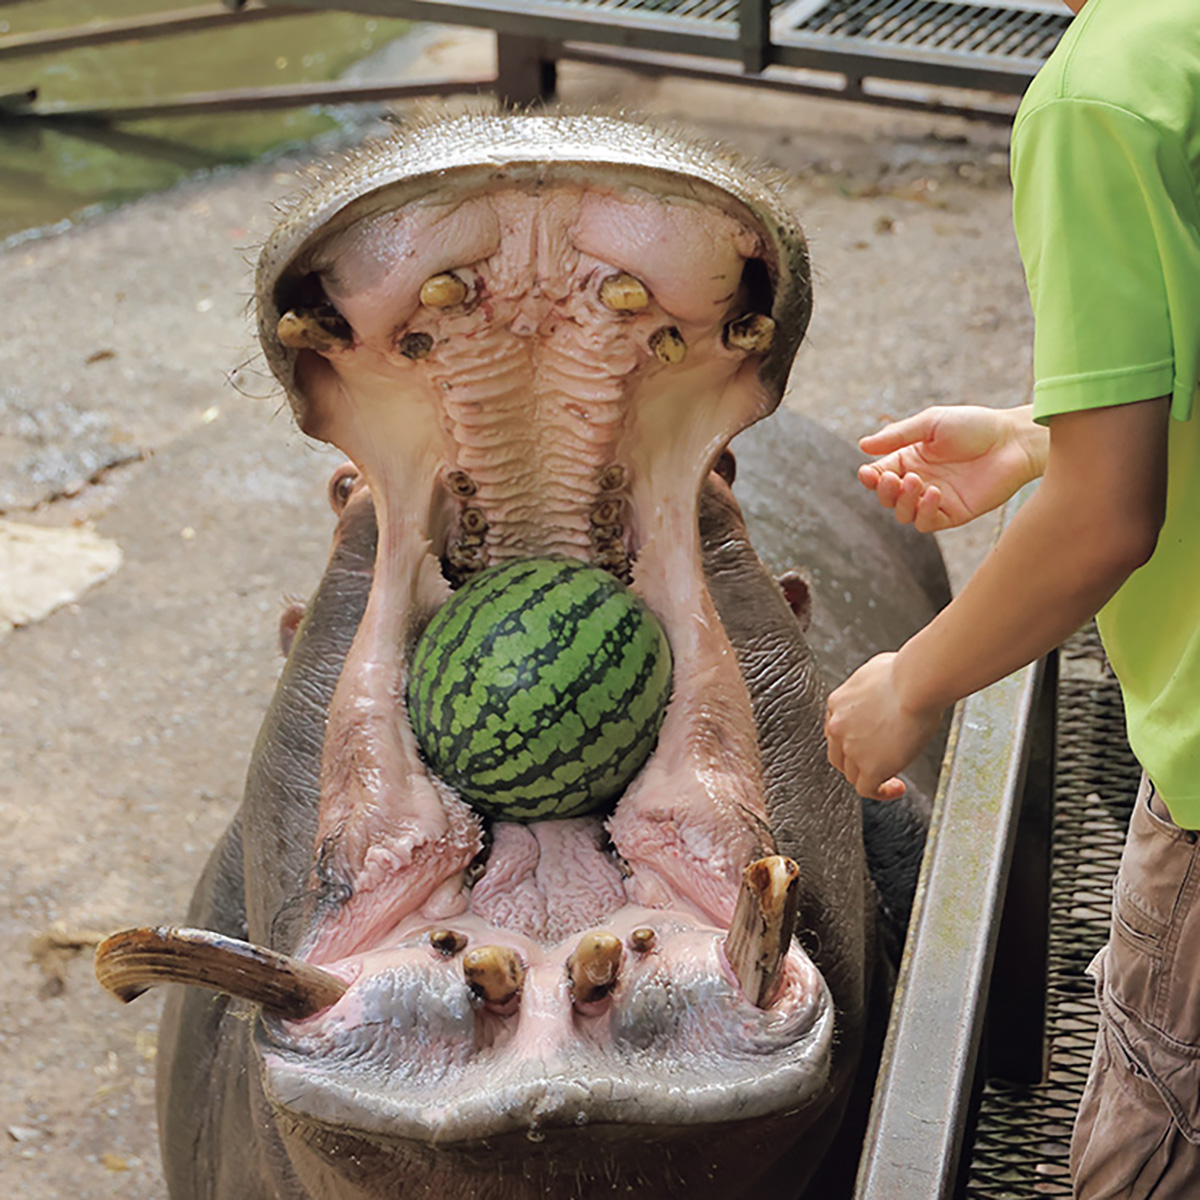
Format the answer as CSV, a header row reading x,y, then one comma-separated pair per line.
x,y
133,402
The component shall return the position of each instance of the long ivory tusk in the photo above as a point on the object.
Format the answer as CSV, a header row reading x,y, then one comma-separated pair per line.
x,y
133,960
763,922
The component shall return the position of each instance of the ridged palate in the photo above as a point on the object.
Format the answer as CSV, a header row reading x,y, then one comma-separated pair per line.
x,y
533,426
538,690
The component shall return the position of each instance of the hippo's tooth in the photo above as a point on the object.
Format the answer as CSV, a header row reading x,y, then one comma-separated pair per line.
x,y
624,293
762,926
752,332
473,520
594,966
448,941
416,345
460,483
643,940
129,962
321,328
612,477
667,345
606,513
495,975
443,291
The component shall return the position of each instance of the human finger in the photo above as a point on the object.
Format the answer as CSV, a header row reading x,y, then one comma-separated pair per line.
x,y
908,498
895,463
899,433
833,752
890,789
868,475
929,517
887,491
873,787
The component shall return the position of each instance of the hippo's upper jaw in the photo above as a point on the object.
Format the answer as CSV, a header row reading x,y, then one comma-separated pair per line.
x,y
533,336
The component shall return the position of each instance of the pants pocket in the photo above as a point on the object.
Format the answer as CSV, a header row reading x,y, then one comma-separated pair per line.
x,y
1124,1135
1153,897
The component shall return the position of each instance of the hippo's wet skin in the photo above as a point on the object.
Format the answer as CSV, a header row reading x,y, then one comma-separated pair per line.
x,y
534,336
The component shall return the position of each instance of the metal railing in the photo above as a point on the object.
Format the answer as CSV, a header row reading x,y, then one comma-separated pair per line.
x,y
859,49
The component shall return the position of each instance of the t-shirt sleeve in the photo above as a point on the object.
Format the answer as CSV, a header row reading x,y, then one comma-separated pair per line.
x,y
1096,210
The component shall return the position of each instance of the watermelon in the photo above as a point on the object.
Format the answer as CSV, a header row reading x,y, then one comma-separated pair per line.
x,y
538,689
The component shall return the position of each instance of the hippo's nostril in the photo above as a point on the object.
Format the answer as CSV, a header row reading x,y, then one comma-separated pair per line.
x,y
443,291
624,293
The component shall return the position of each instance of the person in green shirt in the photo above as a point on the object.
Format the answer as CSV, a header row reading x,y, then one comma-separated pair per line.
x,y
1106,202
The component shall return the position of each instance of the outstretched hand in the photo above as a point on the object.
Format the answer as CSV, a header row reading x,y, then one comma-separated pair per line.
x,y
948,465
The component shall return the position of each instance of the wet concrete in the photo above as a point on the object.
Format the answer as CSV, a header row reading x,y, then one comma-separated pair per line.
x,y
132,397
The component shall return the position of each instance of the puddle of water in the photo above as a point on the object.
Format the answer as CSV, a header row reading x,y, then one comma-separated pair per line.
x,y
52,170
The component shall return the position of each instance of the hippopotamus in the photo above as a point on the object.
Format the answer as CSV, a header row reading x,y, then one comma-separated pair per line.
x,y
538,335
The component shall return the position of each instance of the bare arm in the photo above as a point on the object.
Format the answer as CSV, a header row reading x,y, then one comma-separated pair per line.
x,y
1094,520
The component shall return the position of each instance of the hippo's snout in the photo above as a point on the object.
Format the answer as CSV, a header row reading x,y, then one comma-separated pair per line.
x,y
487,957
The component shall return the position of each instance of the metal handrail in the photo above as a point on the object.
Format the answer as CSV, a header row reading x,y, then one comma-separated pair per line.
x,y
759,42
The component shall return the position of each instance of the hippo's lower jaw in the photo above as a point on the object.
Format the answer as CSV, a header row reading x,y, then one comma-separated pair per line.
x,y
407,1054
545,995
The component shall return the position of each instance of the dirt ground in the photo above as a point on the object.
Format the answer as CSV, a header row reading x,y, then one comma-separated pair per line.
x,y
132,398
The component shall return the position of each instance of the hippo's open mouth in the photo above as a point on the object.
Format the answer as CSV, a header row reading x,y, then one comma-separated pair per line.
x,y
536,344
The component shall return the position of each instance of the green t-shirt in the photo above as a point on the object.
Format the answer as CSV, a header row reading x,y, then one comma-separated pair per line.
x,y
1106,203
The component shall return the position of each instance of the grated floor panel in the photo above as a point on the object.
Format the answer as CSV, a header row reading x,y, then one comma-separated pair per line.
x,y
937,25
1023,1133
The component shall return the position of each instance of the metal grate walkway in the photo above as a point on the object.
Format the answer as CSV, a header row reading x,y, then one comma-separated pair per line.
x,y
1023,1133
1015,33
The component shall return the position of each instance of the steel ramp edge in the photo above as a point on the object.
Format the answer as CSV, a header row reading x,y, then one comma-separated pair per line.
x,y
923,1091
1021,1139
983,1069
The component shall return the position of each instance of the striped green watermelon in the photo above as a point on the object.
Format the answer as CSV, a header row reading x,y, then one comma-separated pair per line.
x,y
539,688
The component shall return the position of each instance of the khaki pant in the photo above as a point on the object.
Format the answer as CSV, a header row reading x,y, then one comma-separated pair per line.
x,y
1138,1131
